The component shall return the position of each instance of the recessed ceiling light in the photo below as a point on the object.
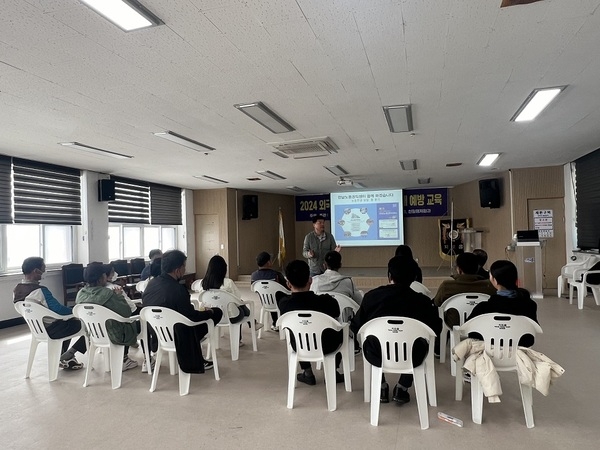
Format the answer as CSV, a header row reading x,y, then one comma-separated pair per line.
x,y
269,174
535,103
295,189
185,141
337,170
128,15
281,154
488,159
399,118
424,180
453,164
265,116
98,151
211,179
409,164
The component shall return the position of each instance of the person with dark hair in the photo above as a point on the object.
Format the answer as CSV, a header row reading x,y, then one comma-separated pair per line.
x,y
166,291
30,289
154,254
482,258
265,272
509,298
111,277
405,250
95,292
316,244
332,281
298,279
397,299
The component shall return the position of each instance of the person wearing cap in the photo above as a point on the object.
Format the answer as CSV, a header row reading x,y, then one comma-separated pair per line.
x,y
316,245
265,272
96,292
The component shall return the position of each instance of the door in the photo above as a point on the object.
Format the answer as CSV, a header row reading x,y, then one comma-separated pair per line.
x,y
207,240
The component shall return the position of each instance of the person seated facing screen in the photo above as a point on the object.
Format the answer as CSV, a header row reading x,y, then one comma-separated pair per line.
x,y
154,253
332,281
265,272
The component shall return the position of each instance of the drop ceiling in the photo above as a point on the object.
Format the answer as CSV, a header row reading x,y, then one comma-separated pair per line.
x,y
327,67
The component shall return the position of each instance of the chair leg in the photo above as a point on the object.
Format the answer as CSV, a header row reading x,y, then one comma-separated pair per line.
x,y
430,376
159,354
570,293
347,358
560,286
264,320
91,351
32,349
213,354
253,332
444,342
54,349
173,365
376,373
421,394
367,380
476,400
234,340
596,294
184,382
527,397
458,382
292,364
116,364
330,382
581,294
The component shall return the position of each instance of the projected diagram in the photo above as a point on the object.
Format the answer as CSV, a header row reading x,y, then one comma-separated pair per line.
x,y
355,222
377,221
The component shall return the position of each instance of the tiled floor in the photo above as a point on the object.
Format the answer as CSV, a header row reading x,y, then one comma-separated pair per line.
x,y
247,407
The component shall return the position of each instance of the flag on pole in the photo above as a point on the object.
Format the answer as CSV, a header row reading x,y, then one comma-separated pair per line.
x,y
281,253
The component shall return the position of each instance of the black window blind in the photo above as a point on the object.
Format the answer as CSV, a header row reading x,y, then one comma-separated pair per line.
x,y
5,190
587,169
165,204
132,202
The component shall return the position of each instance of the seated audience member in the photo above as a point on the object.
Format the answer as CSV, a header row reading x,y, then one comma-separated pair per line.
x,y
266,273
298,277
332,281
95,292
482,258
30,289
467,280
165,291
405,250
509,299
154,253
154,272
111,277
397,299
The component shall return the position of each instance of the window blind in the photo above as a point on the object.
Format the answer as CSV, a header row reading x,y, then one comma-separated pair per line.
x,y
165,202
5,190
588,200
132,202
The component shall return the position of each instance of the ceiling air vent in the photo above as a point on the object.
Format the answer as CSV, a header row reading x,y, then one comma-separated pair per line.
x,y
306,148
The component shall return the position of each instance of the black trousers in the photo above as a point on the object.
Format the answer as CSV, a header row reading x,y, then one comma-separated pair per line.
x,y
61,328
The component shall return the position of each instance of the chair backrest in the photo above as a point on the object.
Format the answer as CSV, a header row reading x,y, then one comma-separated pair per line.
x,y
72,274
34,313
196,285
94,317
306,327
464,303
140,286
163,321
348,307
136,265
266,290
396,336
420,288
501,334
217,298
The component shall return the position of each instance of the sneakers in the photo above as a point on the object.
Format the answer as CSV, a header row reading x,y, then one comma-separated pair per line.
x,y
152,364
70,364
208,365
466,377
129,363
357,351
400,395
307,379
384,397
274,328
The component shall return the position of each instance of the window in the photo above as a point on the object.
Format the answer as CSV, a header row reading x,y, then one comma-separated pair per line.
x,y
54,243
128,241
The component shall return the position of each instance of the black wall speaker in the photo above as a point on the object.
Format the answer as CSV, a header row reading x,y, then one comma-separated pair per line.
x,y
489,193
106,190
249,207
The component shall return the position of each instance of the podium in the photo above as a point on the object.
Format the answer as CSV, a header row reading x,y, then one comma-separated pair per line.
x,y
531,278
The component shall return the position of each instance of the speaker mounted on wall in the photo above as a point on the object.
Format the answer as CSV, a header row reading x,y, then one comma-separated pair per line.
x,y
249,207
489,193
106,190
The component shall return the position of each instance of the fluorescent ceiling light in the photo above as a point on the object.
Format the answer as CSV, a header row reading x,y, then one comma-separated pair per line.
x,y
97,151
211,179
265,116
281,154
295,189
535,103
409,164
399,118
424,180
128,15
337,170
269,174
182,140
488,159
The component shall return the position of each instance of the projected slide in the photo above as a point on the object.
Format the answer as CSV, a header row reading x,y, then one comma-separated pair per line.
x,y
367,218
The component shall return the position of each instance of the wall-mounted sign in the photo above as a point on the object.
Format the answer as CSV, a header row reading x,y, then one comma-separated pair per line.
x,y
425,202
543,221
309,206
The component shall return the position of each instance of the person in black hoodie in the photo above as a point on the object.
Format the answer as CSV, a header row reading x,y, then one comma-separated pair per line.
x,y
509,299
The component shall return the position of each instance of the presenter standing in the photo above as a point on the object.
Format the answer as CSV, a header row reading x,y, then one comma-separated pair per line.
x,y
316,245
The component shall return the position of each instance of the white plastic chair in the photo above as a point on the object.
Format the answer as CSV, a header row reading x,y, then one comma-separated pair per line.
x,y
421,288
163,321
266,290
464,304
33,313
140,286
501,334
217,298
567,271
398,334
94,317
306,327
582,286
348,308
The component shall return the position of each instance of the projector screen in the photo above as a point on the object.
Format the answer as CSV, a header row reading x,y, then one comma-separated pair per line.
x,y
367,218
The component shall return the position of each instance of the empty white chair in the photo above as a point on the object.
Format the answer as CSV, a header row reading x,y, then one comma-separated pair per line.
x,y
581,283
33,313
306,328
568,270
217,298
464,304
163,322
196,288
266,290
396,336
501,334
94,317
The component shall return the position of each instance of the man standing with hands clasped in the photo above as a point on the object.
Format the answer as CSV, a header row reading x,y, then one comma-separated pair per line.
x,y
316,245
